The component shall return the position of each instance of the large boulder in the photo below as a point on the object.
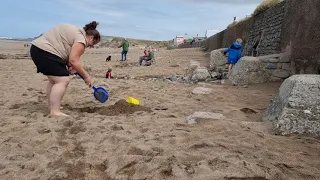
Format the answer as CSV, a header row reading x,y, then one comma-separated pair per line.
x,y
276,58
200,74
217,59
193,65
296,107
250,70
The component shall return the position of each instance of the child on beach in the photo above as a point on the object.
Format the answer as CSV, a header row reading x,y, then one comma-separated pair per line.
x,y
234,51
108,75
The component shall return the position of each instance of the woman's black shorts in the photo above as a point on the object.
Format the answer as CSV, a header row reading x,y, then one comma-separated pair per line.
x,y
48,63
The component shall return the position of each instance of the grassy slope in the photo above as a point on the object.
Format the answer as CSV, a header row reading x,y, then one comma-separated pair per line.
x,y
134,42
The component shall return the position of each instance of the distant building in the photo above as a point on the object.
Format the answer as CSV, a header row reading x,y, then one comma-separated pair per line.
x,y
178,40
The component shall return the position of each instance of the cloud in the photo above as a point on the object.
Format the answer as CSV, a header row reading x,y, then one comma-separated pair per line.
x,y
95,7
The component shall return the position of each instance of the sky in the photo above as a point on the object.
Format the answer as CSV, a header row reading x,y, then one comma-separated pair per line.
x,y
152,19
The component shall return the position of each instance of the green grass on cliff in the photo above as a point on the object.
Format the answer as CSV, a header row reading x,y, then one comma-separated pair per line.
x,y
266,4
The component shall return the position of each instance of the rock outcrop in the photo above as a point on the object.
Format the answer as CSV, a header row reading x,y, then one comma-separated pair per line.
x,y
296,108
249,70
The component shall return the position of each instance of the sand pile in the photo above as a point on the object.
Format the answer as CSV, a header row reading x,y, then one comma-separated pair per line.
x,y
120,107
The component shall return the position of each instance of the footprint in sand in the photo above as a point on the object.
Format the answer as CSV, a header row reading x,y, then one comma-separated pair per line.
x,y
2,166
154,151
77,129
144,130
68,123
44,131
116,128
102,166
248,111
128,169
16,106
217,163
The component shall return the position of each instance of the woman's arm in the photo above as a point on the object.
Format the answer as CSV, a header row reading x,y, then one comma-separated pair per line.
x,y
74,59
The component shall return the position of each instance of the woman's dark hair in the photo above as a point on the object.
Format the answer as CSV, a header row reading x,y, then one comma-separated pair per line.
x,y
90,30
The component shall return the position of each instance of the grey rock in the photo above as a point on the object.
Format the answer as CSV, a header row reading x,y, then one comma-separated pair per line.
x,y
296,107
217,58
225,75
201,90
201,74
273,79
279,65
171,82
197,116
286,66
250,70
285,58
216,81
227,82
274,60
202,84
215,75
193,65
186,79
272,65
281,73
174,78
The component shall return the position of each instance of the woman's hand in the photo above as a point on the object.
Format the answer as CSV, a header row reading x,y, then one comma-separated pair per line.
x,y
71,70
88,81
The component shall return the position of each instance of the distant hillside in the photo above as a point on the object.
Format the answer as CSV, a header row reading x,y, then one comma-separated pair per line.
x,y
20,39
113,42
110,41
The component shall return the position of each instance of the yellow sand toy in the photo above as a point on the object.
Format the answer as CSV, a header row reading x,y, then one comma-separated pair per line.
x,y
133,101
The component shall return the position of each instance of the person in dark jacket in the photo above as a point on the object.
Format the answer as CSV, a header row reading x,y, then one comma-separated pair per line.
x,y
235,51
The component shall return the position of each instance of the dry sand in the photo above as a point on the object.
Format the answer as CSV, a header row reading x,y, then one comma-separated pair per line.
x,y
111,143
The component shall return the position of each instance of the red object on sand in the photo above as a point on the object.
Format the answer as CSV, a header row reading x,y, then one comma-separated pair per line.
x,y
109,75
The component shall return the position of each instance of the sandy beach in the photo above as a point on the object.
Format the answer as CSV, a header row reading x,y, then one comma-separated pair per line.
x,y
114,140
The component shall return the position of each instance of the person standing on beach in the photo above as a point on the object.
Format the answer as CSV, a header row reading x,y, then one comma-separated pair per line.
x,y
57,53
125,49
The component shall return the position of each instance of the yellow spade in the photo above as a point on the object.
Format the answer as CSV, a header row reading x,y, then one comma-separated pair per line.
x,y
133,101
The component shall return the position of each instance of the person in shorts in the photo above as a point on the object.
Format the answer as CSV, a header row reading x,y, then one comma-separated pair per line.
x,y
57,53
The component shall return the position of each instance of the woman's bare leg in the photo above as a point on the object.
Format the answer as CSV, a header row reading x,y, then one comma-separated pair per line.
x,y
48,91
58,89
